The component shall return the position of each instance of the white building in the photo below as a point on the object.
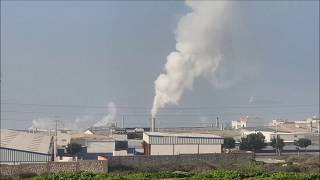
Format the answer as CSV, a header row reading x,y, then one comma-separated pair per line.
x,y
309,123
247,121
276,122
25,147
287,137
157,143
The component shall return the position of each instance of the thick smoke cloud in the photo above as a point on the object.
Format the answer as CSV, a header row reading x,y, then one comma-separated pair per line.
x,y
201,38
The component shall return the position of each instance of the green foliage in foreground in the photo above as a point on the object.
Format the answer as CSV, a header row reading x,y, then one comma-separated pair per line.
x,y
217,174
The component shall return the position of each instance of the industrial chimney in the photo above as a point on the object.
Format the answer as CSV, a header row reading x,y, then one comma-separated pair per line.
x,y
153,124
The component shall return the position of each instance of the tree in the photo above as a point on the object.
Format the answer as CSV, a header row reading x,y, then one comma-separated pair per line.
x,y
277,144
229,143
303,143
253,142
73,149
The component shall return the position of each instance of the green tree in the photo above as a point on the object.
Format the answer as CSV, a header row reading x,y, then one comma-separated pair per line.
x,y
303,143
277,144
229,143
253,142
73,149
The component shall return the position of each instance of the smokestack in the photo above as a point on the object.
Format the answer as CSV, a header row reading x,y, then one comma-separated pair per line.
x,y
217,122
122,124
153,124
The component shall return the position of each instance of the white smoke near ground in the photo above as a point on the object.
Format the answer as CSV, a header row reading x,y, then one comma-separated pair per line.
x,y
47,123
42,123
200,37
110,119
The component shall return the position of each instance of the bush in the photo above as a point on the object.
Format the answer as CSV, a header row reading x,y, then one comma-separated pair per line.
x,y
214,175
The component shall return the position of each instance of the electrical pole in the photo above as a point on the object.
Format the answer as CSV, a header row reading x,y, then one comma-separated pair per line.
x,y
55,141
122,124
277,147
217,123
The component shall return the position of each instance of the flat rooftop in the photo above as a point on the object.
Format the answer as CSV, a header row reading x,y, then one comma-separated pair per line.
x,y
193,135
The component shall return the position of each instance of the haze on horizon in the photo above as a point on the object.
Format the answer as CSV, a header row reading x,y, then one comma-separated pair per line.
x,y
71,60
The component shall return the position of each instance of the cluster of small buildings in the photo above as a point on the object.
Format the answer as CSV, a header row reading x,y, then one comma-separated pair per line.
x,y
41,146
309,124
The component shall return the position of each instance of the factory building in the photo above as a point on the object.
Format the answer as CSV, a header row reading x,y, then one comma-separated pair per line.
x,y
94,146
247,121
25,147
157,143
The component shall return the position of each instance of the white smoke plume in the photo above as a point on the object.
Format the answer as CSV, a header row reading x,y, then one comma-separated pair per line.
x,y
110,119
200,40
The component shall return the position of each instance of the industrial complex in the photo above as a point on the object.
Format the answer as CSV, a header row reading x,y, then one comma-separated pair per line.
x,y
99,143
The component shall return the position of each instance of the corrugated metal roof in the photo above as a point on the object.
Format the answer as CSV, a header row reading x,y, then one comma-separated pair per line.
x,y
195,135
33,142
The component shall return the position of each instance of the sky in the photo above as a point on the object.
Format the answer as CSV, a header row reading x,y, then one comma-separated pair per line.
x,y
68,60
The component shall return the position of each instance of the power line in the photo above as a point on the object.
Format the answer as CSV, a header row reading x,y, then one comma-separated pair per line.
x,y
181,115
166,108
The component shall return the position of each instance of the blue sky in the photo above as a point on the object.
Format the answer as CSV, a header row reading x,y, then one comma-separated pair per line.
x,y
80,55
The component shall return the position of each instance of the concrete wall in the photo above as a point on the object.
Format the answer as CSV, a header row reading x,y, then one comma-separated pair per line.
x,y
133,164
177,162
54,167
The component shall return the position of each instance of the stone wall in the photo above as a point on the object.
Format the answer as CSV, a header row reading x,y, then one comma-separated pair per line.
x,y
53,167
196,162
178,162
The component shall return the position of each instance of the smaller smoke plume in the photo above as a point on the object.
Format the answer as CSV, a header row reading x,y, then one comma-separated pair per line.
x,y
109,120
42,123
262,101
251,99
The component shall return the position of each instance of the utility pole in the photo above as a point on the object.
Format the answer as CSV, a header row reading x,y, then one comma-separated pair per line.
x,y
217,123
55,141
122,124
277,149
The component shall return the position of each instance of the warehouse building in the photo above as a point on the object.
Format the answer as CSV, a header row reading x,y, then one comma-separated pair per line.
x,y
157,143
94,146
25,147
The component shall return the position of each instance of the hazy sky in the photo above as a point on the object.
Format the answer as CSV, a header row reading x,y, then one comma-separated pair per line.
x,y
67,60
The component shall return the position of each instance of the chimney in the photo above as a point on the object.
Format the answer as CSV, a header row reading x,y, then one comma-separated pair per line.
x,y
217,122
153,124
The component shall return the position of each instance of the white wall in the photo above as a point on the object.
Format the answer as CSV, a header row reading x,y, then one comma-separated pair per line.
x,y
161,149
185,149
120,153
209,148
100,146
